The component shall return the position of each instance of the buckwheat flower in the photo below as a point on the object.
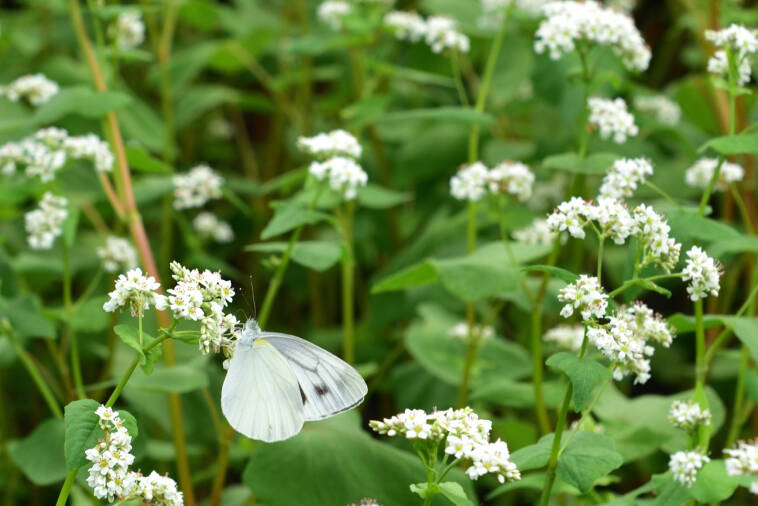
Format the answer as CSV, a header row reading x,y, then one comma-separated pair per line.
x,y
570,24
36,89
539,233
585,295
624,176
666,111
52,137
158,490
203,296
568,337
137,292
512,177
627,353
41,160
406,25
688,415
196,187
701,173
208,226
741,42
470,182
461,331
109,475
612,119
653,232
703,273
331,13
743,460
90,147
442,34
45,223
11,154
571,217
685,465
117,254
613,219
334,143
647,324
344,175
128,31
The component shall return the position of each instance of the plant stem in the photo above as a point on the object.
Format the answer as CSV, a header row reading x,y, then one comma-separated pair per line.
x,y
552,463
76,366
66,489
348,284
601,242
739,392
456,67
724,334
701,368
471,339
484,89
31,368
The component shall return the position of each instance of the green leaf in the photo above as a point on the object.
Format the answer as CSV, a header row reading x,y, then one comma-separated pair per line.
x,y
454,493
82,101
595,164
130,336
513,394
25,315
178,379
40,454
372,468
90,317
414,276
376,197
687,225
83,430
713,483
587,458
733,144
289,217
463,115
686,323
567,277
585,374
646,284
316,255
143,161
746,330
741,244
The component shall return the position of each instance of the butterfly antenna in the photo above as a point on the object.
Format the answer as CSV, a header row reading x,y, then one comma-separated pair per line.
x,y
252,290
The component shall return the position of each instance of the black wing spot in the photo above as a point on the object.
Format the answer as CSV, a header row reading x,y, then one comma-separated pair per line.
x,y
322,390
302,394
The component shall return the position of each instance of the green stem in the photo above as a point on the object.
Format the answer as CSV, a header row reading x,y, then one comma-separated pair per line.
x,y
87,293
276,281
66,488
600,244
709,189
724,334
663,194
471,339
587,77
739,392
552,463
742,207
348,284
701,368
33,371
76,366
456,68
484,89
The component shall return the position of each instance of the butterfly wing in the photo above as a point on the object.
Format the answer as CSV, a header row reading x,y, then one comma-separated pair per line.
x,y
328,384
261,397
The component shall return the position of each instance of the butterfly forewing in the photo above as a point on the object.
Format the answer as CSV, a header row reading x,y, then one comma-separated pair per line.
x,y
328,385
261,397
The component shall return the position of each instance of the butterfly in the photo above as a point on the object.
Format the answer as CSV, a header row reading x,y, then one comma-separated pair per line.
x,y
276,382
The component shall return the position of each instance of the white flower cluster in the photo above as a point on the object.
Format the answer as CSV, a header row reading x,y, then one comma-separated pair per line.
x,y
688,415
571,23
568,337
741,42
128,31
461,331
700,174
653,232
196,187
135,291
685,465
666,111
331,13
208,226
45,223
36,88
610,214
439,32
612,119
338,149
48,150
110,477
202,296
624,176
465,437
703,273
538,233
585,295
335,143
117,254
624,340
474,181
743,459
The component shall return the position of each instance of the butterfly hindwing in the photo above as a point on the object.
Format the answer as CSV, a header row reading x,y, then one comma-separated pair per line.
x,y
261,397
328,385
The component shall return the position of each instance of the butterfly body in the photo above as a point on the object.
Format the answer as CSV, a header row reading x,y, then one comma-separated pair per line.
x,y
277,381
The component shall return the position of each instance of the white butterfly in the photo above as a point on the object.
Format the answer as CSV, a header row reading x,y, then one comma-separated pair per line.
x,y
276,382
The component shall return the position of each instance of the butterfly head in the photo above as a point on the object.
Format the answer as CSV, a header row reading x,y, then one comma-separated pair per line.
x,y
250,332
